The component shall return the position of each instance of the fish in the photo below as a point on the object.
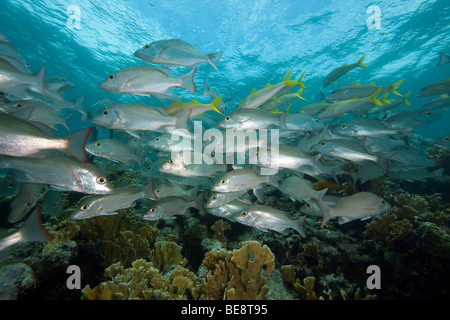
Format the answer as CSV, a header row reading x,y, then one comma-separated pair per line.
x,y
340,108
30,231
312,209
12,55
42,113
443,58
218,199
170,207
114,150
52,203
27,195
177,167
139,116
361,91
20,138
172,52
258,97
60,172
264,217
197,108
367,127
228,209
338,72
245,119
439,103
275,102
436,89
8,186
345,149
147,80
167,189
301,190
16,82
411,119
302,122
358,206
243,179
108,204
391,104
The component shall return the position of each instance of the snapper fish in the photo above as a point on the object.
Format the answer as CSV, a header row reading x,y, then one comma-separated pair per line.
x,y
52,203
60,172
147,80
361,91
338,72
264,218
16,82
245,119
172,52
27,195
169,207
301,189
30,231
21,138
436,89
359,206
109,204
229,209
113,150
367,127
12,55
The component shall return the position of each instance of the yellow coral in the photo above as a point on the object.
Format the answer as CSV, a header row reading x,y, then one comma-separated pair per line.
x,y
165,254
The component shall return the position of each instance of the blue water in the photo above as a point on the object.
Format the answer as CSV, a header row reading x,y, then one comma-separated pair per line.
x,y
261,40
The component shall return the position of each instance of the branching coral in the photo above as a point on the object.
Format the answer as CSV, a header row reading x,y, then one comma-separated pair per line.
x,y
166,254
219,227
239,276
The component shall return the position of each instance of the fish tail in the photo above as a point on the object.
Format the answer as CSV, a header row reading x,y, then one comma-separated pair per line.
x,y
273,181
198,202
147,191
321,193
300,226
214,58
393,87
405,99
76,142
327,212
443,59
40,80
283,115
187,81
183,119
384,160
32,229
384,98
299,93
374,99
215,103
300,83
361,62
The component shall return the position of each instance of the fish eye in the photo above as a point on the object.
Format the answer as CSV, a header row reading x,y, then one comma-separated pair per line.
x,y
98,144
106,112
18,105
382,201
27,64
54,204
84,208
157,190
428,113
257,153
63,79
223,181
101,180
323,143
316,120
445,139
152,210
214,197
111,76
147,46
29,204
149,167
244,213
157,139
10,185
171,161
227,118
344,126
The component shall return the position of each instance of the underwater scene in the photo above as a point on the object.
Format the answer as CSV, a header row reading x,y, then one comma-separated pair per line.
x,y
224,150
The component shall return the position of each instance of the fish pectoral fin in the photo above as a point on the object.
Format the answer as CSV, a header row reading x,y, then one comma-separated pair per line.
x,y
367,218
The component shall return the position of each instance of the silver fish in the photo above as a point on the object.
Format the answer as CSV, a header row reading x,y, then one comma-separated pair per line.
x,y
176,52
147,80
361,205
243,179
167,189
301,189
16,82
245,119
60,172
229,209
100,205
20,138
366,127
169,207
436,89
52,203
27,195
217,199
340,71
264,217
361,91
113,150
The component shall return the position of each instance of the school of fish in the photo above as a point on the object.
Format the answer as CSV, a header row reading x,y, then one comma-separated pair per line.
x,y
312,144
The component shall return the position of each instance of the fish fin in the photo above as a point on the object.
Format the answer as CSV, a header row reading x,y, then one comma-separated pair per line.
x,y
287,76
283,115
393,87
300,226
300,83
374,99
187,81
183,118
32,229
298,94
384,98
40,80
322,193
147,191
76,143
327,212
198,202
259,193
405,99
273,181
343,220
361,62
215,103
214,58
384,159
443,59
